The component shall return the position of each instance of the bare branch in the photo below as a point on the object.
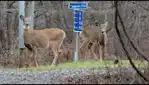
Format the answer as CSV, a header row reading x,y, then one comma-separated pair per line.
x,y
122,43
141,6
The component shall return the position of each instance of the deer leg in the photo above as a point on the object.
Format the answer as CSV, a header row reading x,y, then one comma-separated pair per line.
x,y
28,59
81,49
101,52
93,52
88,46
83,46
35,57
60,54
21,58
89,54
55,51
60,49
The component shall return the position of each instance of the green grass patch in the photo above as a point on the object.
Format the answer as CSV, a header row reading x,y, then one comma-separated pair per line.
x,y
89,64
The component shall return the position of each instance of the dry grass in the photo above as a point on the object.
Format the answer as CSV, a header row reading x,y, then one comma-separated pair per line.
x,y
89,64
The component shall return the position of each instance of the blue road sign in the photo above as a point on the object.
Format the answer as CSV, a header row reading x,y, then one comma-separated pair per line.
x,y
78,20
78,5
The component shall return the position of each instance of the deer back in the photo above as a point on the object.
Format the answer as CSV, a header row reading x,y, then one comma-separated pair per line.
x,y
35,38
54,34
92,32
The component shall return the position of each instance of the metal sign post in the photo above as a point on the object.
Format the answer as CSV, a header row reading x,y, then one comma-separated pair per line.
x,y
78,21
30,13
21,12
28,20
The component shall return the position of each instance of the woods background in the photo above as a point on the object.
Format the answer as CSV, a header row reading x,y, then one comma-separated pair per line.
x,y
56,14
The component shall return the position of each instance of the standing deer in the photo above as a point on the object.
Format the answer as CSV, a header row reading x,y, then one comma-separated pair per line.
x,y
95,35
51,38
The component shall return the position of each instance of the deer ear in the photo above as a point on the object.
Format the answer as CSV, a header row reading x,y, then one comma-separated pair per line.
x,y
106,24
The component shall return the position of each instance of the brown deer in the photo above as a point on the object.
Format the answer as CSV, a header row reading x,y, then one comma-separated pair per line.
x,y
51,38
94,35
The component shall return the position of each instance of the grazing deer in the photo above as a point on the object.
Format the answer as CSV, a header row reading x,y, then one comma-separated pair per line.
x,y
95,35
51,38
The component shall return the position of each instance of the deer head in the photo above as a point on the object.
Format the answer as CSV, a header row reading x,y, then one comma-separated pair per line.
x,y
26,21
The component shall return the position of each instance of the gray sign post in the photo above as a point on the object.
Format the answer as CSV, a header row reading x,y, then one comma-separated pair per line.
x,y
78,21
28,20
21,12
